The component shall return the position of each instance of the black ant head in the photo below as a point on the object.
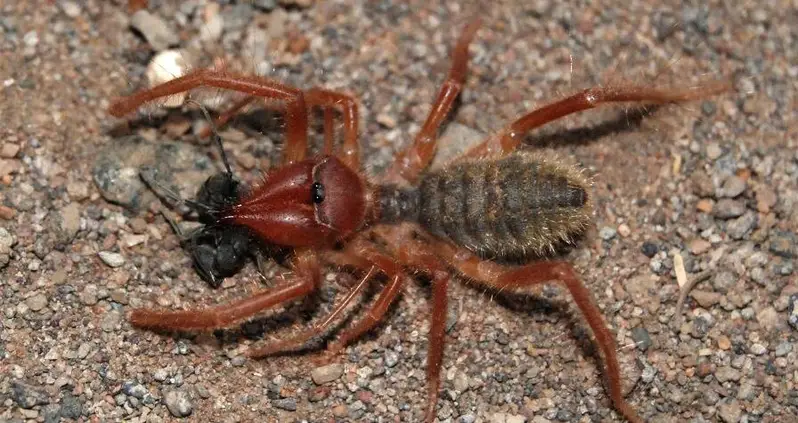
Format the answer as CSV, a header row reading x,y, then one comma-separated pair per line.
x,y
219,192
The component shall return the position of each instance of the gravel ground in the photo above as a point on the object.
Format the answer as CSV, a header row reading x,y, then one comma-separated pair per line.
x,y
703,193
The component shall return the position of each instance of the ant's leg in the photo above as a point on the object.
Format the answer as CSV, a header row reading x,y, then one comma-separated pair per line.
x,y
327,100
506,140
501,277
296,119
412,161
306,279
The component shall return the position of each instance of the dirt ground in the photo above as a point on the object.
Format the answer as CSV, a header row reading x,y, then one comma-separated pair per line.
x,y
705,192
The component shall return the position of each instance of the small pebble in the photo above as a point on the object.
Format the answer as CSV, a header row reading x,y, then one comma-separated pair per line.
x,y
783,244
165,66
730,412
160,375
157,32
642,338
724,342
178,403
607,233
705,298
71,9
765,199
649,249
83,350
705,205
134,389
768,318
783,349
758,349
792,311
37,302
71,407
27,396
713,151
329,373
742,226
9,150
110,321
285,404
699,246
340,410
391,359
727,373
89,295
112,259
732,187
728,208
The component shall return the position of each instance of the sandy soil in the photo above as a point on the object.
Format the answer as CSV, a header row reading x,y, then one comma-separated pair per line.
x,y
709,187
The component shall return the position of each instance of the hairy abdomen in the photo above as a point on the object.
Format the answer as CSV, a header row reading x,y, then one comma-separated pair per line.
x,y
512,207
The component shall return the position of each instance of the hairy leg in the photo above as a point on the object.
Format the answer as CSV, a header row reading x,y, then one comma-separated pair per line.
x,y
296,131
502,277
299,340
412,161
389,293
305,280
506,140
415,254
328,101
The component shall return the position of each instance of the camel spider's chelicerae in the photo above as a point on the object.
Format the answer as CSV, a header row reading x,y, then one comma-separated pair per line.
x,y
491,207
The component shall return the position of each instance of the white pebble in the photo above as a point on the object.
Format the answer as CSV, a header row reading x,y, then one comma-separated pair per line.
x,y
166,66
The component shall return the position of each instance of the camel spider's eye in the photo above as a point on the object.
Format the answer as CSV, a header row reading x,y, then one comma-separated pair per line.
x,y
317,192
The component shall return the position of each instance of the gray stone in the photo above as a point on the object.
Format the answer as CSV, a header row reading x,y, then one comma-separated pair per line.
x,y
729,412
37,302
178,403
783,244
134,389
728,208
27,396
742,226
154,29
732,187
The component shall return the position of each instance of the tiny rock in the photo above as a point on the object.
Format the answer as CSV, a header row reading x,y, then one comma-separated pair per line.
x,y
112,259
178,403
37,302
700,246
329,373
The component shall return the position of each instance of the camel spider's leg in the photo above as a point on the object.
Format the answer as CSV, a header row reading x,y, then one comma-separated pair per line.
x,y
500,277
296,119
328,100
412,161
506,140
306,279
303,337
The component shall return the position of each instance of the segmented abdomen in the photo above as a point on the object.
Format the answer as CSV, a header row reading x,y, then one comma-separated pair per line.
x,y
511,207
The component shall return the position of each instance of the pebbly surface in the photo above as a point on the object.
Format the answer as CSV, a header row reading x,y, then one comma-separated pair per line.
x,y
702,196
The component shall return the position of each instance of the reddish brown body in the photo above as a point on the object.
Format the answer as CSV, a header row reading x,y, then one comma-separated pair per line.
x,y
325,209
274,211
